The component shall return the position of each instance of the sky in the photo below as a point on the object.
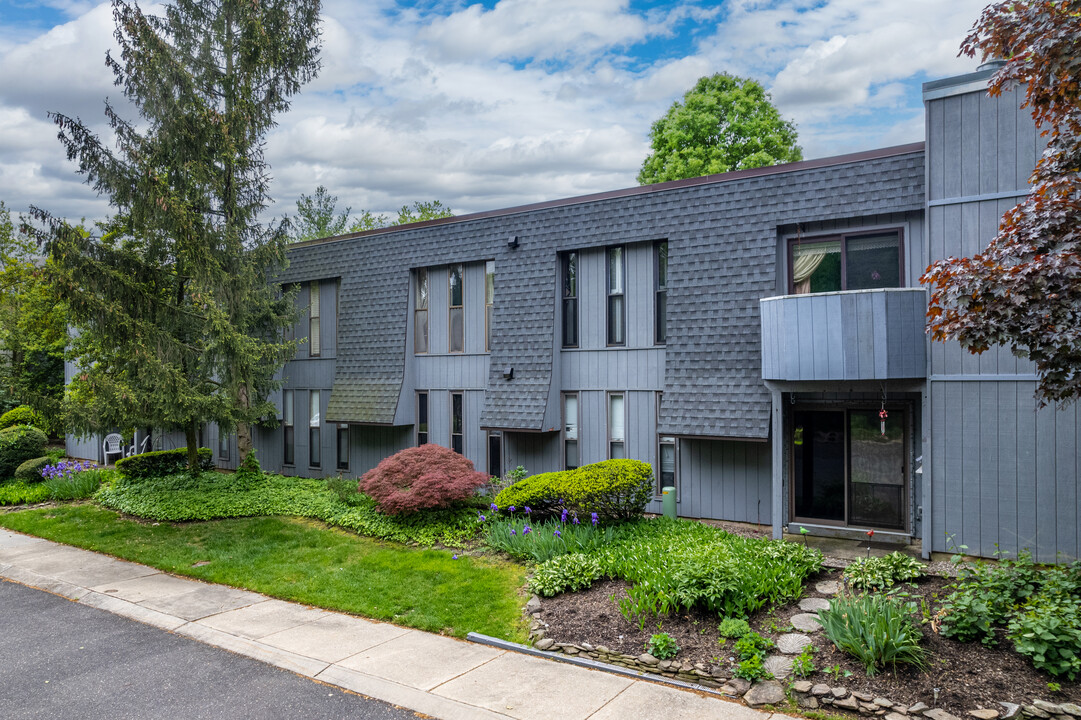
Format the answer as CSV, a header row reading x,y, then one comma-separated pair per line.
x,y
503,102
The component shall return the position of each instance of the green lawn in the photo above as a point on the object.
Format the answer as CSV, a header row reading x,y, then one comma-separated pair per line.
x,y
308,562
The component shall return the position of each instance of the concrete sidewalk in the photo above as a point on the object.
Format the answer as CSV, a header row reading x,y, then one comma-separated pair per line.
x,y
438,676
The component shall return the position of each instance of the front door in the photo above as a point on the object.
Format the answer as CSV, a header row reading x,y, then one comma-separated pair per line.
x,y
847,471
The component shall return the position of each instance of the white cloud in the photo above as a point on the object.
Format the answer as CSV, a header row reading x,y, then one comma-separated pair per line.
x,y
528,100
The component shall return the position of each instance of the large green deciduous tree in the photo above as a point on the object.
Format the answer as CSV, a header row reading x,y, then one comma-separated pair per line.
x,y
33,328
1024,290
724,123
177,322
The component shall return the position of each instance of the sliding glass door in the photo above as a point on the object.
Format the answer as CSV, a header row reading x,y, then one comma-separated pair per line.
x,y
849,468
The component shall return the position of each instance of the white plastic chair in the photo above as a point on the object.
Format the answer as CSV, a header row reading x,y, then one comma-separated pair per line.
x,y
112,445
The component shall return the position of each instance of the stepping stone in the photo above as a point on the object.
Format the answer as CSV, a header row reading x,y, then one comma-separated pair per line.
x,y
778,666
828,587
806,622
793,644
814,604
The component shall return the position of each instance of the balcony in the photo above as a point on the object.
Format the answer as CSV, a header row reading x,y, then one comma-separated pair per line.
x,y
851,335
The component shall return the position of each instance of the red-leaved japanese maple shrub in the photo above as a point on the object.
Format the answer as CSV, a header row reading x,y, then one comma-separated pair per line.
x,y
421,478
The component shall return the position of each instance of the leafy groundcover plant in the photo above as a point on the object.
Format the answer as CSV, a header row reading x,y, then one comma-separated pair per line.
x,y
880,573
878,630
1040,608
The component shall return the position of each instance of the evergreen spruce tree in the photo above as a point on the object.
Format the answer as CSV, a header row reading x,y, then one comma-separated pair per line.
x,y
177,323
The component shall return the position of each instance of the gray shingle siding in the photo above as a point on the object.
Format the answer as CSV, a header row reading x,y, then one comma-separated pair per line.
x,y
722,236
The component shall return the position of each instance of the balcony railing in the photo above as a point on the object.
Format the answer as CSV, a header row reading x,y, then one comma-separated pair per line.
x,y
852,335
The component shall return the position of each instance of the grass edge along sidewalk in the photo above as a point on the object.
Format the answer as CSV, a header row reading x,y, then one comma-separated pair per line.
x,y
308,562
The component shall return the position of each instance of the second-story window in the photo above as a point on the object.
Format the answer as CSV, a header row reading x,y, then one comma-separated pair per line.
x,y
570,431
288,438
845,262
315,456
457,443
570,299
617,314
314,339
660,296
617,436
420,313
422,418
456,334
489,301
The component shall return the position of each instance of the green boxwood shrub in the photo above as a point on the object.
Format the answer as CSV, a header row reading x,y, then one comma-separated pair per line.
x,y
19,444
162,462
614,489
30,471
22,415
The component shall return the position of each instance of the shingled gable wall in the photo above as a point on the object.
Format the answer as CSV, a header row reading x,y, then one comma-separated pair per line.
x,y
722,234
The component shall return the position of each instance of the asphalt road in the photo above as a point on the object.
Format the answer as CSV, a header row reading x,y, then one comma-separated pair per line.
x,y
60,660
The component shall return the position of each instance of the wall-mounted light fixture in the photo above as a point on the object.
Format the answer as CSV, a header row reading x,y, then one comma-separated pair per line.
x,y
512,242
508,372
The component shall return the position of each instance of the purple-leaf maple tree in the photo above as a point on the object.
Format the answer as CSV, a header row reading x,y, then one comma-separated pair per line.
x,y
1024,290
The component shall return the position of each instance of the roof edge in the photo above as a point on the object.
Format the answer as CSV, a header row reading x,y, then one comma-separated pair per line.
x,y
863,156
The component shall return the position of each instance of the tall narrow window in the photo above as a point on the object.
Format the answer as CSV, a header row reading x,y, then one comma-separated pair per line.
x,y
570,299
489,300
422,418
343,446
224,446
457,315
570,431
456,441
666,462
314,340
420,313
314,455
288,438
617,444
495,453
617,331
660,297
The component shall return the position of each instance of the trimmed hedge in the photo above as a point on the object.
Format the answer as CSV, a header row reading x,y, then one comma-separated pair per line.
x,y
19,444
162,462
614,489
30,471
22,415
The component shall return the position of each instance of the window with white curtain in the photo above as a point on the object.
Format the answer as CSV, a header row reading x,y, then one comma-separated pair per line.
x,y
617,439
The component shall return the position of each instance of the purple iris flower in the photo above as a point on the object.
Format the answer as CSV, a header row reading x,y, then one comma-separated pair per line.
x,y
510,509
513,532
527,510
593,518
526,530
557,533
575,519
495,508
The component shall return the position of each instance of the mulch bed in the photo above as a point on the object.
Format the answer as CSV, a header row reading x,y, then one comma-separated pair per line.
x,y
968,675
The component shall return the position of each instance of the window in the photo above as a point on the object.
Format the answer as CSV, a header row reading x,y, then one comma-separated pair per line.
x,y
343,446
617,334
456,443
224,446
420,313
422,418
845,262
457,315
570,431
314,344
489,300
314,455
288,439
666,462
570,300
660,295
495,454
617,445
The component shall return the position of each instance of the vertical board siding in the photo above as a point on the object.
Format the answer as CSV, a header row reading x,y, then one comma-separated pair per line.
x,y
855,335
1005,473
602,369
370,445
451,372
474,308
725,480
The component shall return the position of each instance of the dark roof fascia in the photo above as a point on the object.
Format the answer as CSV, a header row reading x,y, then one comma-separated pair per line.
x,y
638,190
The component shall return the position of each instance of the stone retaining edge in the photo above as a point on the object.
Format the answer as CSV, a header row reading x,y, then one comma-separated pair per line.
x,y
588,663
